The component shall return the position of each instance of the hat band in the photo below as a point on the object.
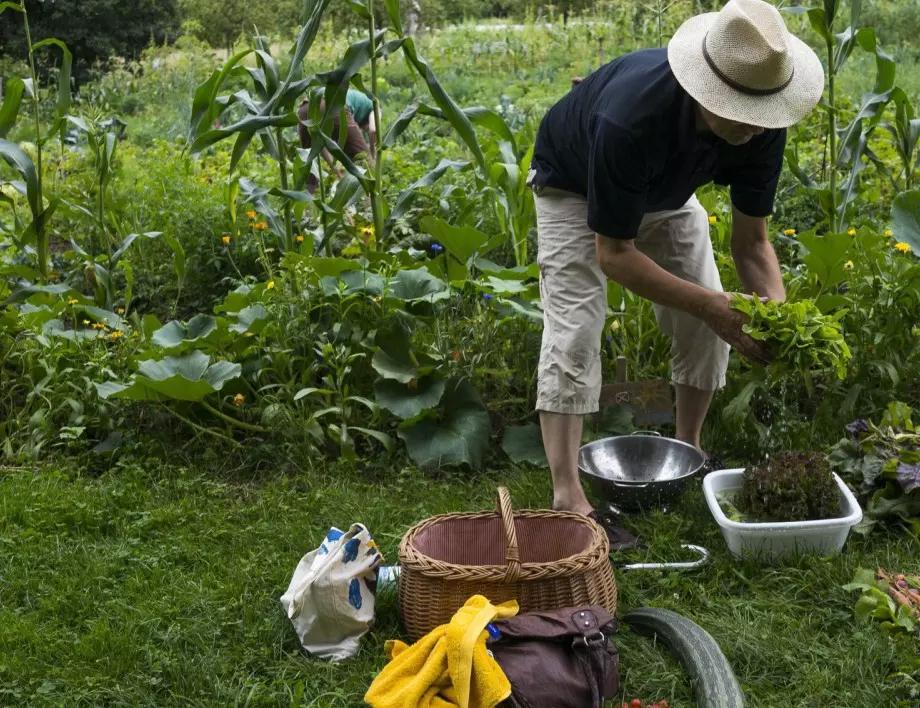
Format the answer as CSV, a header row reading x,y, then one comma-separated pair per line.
x,y
741,87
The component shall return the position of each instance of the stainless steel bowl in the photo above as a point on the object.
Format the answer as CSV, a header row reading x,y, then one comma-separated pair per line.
x,y
639,471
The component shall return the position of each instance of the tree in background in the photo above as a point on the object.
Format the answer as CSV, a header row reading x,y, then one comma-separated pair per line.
x,y
221,22
94,30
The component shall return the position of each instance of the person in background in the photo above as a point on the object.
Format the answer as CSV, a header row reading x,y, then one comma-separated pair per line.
x,y
361,132
616,164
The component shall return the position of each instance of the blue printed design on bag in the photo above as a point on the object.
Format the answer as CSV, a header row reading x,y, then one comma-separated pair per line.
x,y
322,549
350,552
354,594
334,535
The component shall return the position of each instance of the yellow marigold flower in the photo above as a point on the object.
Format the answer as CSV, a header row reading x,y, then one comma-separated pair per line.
x,y
852,232
789,232
368,233
261,226
238,400
115,334
299,239
903,247
614,326
73,301
713,219
251,215
226,240
889,233
85,322
119,310
270,285
848,265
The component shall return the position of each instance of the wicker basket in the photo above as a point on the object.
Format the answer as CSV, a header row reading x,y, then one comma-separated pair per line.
x,y
542,559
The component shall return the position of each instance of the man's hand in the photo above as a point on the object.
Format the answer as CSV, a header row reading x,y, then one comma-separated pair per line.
x,y
727,322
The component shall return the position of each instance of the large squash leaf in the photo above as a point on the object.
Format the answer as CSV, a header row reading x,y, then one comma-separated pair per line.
x,y
525,444
407,400
417,284
393,359
186,378
460,434
176,333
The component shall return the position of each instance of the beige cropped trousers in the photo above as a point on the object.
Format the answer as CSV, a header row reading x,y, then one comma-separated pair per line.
x,y
574,294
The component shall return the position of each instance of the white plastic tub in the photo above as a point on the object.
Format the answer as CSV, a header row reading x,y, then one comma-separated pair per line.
x,y
774,540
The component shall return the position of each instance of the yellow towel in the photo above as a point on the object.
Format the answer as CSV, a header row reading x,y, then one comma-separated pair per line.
x,y
447,668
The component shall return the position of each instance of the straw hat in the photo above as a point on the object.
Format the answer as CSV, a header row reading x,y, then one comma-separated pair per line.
x,y
742,64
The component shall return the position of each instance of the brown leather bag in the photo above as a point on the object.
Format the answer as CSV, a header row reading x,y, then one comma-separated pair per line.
x,y
558,659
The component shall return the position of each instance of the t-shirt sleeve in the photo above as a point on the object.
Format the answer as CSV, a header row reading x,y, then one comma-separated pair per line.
x,y
617,182
753,182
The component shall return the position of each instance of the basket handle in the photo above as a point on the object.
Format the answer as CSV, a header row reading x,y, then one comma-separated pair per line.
x,y
512,552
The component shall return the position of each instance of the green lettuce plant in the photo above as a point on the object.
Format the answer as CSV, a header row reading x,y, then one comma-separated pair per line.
x,y
799,337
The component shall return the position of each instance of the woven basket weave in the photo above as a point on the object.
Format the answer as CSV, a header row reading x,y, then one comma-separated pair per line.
x,y
542,559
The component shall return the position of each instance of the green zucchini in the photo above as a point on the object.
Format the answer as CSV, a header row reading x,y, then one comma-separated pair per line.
x,y
699,654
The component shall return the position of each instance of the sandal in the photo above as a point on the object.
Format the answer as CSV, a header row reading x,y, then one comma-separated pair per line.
x,y
712,464
620,539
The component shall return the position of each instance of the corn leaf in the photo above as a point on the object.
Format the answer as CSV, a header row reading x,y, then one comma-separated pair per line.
x,y
15,87
63,100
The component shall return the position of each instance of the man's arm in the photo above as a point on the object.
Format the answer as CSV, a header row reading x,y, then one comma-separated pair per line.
x,y
372,136
621,261
338,169
755,258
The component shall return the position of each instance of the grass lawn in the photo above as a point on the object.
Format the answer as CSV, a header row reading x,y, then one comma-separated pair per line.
x,y
156,584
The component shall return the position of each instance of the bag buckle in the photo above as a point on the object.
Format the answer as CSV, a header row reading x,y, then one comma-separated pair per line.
x,y
589,639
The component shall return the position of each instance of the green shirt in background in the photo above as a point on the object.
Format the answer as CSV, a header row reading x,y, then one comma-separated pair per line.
x,y
360,106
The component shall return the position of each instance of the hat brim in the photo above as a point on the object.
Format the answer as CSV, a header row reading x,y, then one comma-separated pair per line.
x,y
778,110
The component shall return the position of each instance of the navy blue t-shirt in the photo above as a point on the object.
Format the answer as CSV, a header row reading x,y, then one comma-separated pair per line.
x,y
626,139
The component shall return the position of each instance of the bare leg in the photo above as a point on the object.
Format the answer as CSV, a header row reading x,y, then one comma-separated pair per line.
x,y
692,406
562,438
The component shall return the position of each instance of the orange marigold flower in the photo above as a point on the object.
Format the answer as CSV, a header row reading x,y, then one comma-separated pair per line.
x,y
299,239
226,240
251,215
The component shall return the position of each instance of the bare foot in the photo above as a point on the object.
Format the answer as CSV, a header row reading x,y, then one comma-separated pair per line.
x,y
579,506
